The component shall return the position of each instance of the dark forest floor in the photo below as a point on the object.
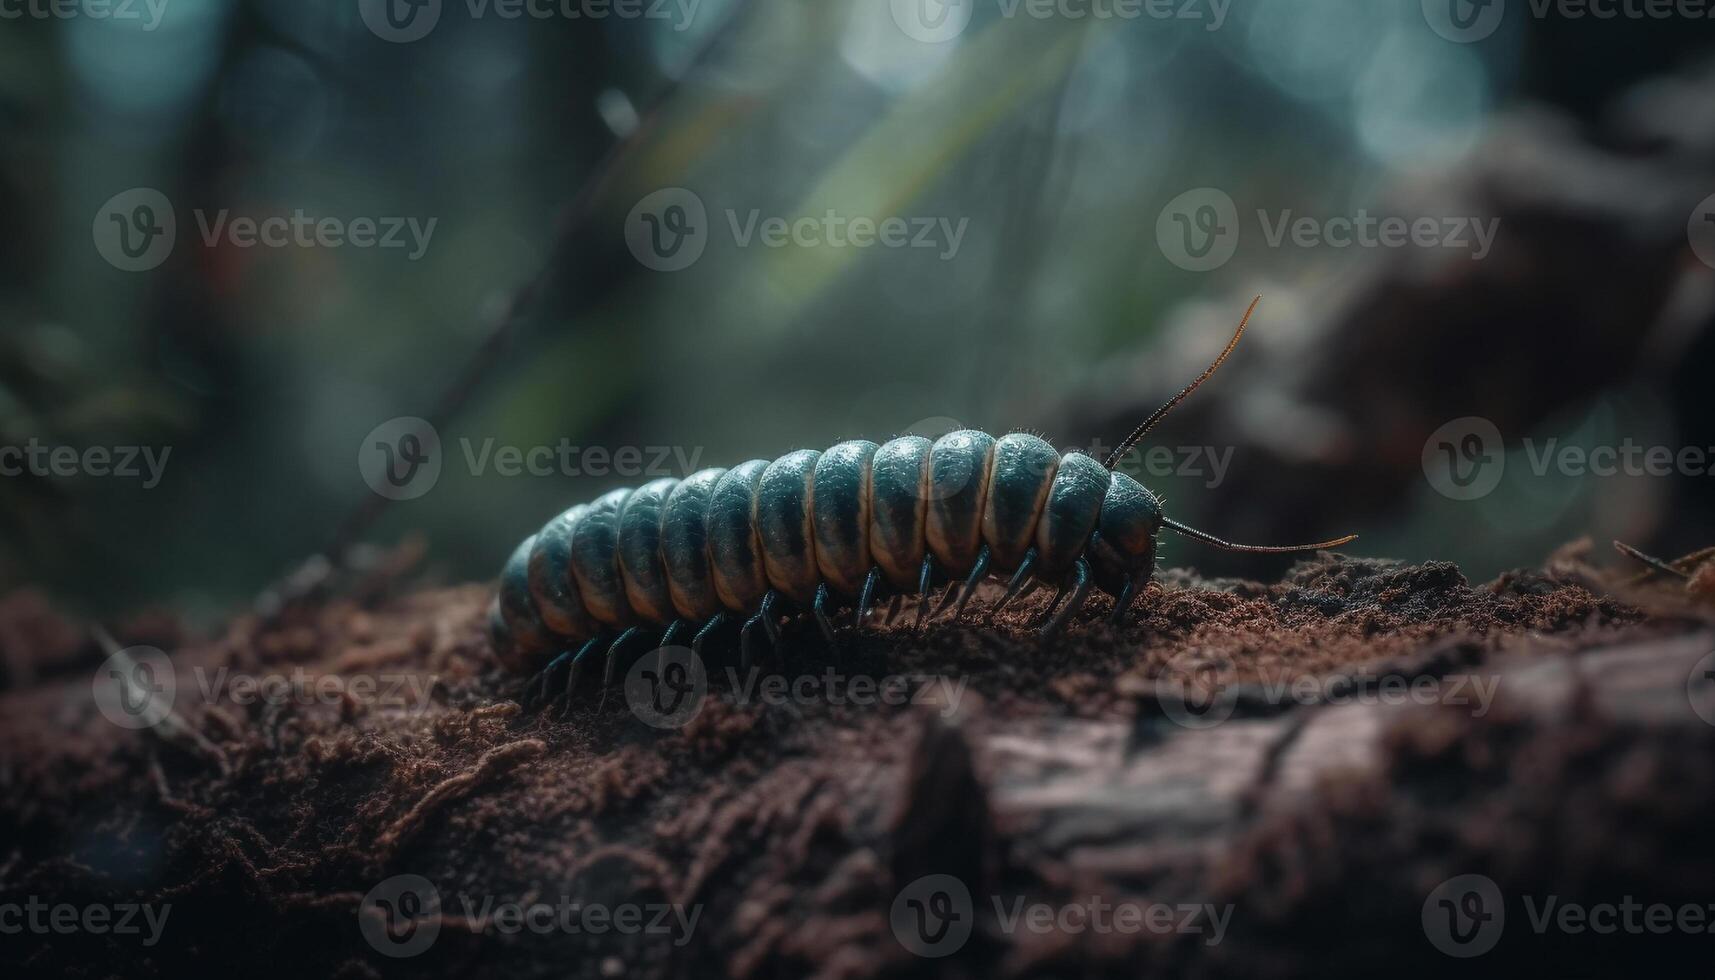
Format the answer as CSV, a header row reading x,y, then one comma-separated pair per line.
x,y
1358,733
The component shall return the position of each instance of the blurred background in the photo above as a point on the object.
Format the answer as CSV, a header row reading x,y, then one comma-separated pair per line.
x,y
1093,194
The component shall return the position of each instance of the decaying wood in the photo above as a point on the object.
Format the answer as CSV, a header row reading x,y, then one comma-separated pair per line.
x,y
1554,744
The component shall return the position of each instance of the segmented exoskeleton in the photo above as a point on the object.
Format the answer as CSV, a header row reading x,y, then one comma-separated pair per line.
x,y
812,527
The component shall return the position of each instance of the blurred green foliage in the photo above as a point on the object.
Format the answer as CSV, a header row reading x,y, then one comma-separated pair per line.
x,y
1058,141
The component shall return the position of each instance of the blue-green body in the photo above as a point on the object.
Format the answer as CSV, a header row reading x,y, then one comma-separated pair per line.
x,y
812,524
814,527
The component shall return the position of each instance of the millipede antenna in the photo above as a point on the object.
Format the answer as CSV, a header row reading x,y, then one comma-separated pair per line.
x,y
1255,549
1138,433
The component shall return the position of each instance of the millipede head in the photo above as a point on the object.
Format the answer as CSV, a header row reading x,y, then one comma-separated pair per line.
x,y
1123,545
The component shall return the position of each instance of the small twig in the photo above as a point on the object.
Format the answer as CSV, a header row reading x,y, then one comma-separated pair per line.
x,y
493,763
172,728
1656,563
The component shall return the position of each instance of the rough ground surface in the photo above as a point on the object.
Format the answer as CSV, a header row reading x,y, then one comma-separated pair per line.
x,y
1322,811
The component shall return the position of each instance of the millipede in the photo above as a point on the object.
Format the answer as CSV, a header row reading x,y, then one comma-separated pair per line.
x,y
857,522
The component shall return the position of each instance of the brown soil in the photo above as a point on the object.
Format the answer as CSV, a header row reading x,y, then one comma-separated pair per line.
x,y
1058,774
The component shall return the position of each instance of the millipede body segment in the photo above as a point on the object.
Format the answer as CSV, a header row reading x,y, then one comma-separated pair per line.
x,y
848,524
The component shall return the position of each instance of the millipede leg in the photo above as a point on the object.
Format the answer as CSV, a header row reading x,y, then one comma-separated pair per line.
x,y
545,677
746,642
667,638
948,592
894,605
1123,601
978,573
672,633
770,622
702,636
1080,592
923,589
1059,593
1020,579
613,660
577,670
821,611
981,564
866,597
